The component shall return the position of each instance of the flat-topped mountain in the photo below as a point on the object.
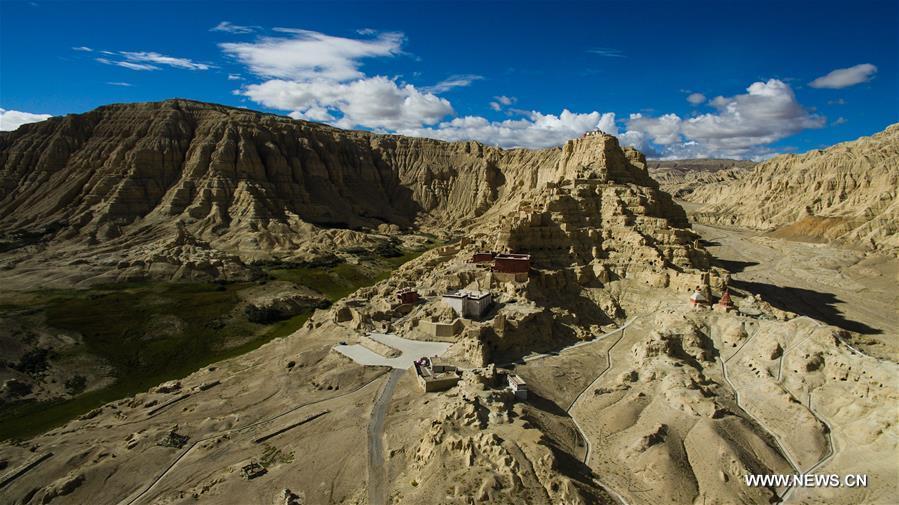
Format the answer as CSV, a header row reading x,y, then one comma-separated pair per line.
x,y
180,188
681,177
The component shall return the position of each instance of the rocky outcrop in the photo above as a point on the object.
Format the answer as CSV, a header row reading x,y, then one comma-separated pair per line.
x,y
229,183
845,193
680,177
181,189
228,172
591,223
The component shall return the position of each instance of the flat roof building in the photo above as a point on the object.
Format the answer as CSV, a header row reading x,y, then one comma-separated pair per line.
x,y
512,263
433,375
482,257
518,386
407,296
469,304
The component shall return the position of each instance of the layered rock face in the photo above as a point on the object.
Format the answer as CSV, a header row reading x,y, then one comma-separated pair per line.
x,y
846,193
242,180
604,211
184,189
592,223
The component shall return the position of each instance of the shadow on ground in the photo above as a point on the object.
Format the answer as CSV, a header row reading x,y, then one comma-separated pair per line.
x,y
806,302
733,266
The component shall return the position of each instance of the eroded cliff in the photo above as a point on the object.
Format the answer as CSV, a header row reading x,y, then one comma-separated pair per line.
x,y
846,193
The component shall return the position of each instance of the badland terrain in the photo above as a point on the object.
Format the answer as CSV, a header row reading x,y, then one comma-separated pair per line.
x,y
210,304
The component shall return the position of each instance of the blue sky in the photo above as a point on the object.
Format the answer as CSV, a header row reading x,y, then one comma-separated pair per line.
x,y
676,79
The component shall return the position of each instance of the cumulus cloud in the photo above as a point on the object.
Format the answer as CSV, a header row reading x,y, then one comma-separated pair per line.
x,y
663,130
373,102
306,54
534,130
149,60
845,77
229,27
696,98
12,119
743,126
453,81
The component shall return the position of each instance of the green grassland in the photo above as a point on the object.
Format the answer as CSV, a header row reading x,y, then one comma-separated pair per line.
x,y
120,323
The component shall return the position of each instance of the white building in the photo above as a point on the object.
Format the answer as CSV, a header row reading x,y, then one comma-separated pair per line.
x,y
470,304
518,387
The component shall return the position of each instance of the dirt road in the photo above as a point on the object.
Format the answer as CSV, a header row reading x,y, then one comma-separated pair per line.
x,y
377,474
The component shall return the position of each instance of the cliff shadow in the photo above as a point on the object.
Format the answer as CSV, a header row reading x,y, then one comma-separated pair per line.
x,y
733,266
815,304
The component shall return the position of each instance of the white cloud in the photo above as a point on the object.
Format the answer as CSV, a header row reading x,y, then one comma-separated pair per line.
x,y
234,77
127,64
607,52
838,121
743,125
366,31
845,77
229,27
317,77
372,102
534,130
838,101
502,101
311,55
142,60
453,81
84,49
313,113
122,84
12,119
161,59
663,130
696,98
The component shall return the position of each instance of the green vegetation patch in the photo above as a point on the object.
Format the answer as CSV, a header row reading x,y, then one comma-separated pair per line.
x,y
154,332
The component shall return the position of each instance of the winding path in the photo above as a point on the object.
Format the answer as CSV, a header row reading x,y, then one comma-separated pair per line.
x,y
831,448
580,430
377,474
139,495
780,445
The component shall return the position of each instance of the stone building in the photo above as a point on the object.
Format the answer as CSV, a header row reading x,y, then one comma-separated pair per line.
x,y
407,296
435,375
512,263
469,304
518,386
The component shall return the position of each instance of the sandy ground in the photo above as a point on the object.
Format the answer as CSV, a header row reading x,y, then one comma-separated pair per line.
x,y
411,350
294,406
677,408
849,289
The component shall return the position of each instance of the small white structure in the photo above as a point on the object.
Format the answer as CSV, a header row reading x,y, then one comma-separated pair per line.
x,y
518,387
470,304
697,299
